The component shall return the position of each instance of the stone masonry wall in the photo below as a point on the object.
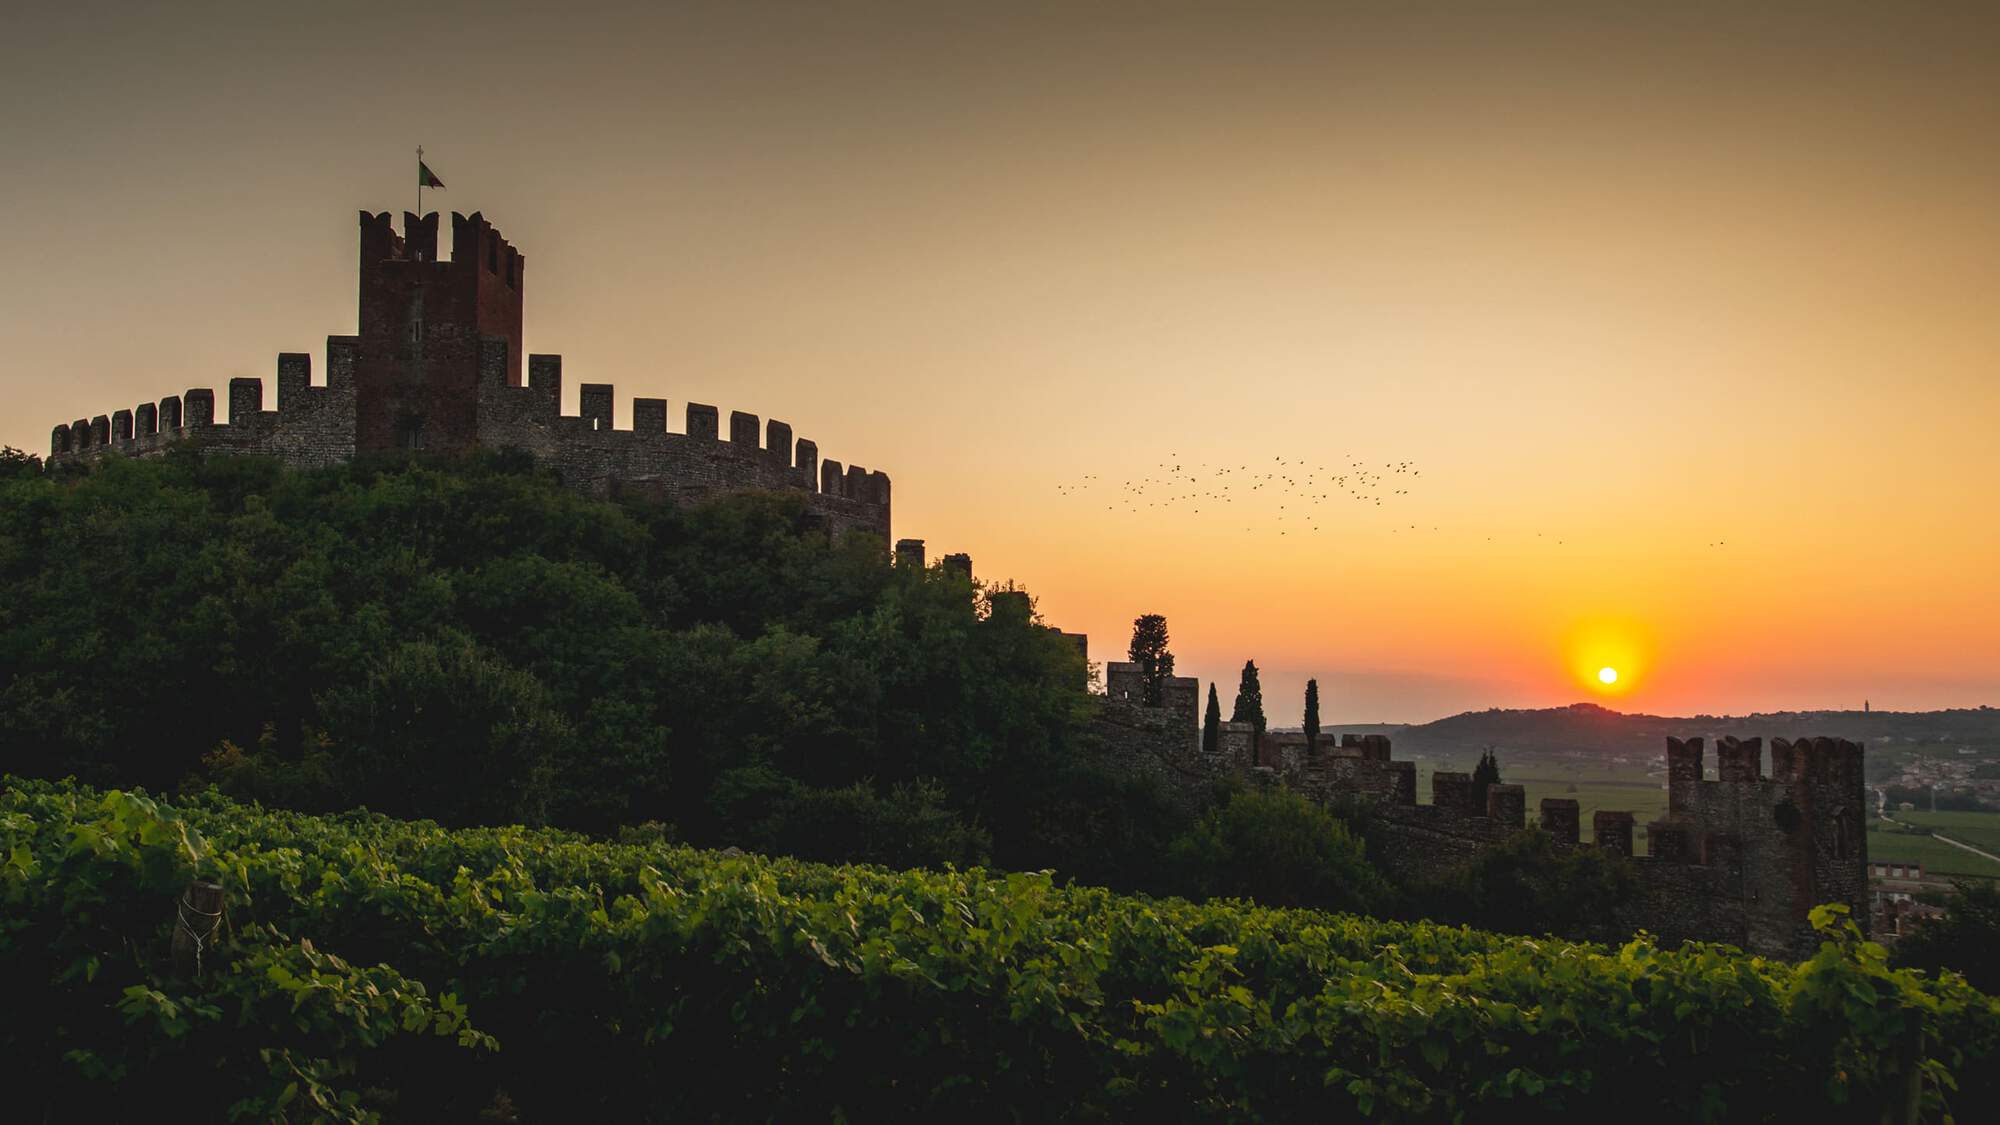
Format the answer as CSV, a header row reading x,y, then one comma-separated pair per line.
x,y
1149,742
311,427
422,324
1741,859
1792,840
437,366
649,460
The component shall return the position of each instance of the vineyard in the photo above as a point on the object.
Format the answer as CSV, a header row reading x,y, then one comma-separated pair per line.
x,y
1980,829
369,968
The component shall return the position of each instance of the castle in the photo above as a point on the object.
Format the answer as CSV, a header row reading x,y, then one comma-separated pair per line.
x,y
1740,858
437,366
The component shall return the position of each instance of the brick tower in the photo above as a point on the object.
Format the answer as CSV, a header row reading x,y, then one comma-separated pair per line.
x,y
437,366
417,372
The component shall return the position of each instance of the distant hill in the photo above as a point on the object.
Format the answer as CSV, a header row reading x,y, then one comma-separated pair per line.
x,y
1587,728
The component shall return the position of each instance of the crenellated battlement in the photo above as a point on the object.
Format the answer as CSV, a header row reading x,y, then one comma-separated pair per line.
x,y
1124,680
475,244
1177,710
437,366
308,426
1739,858
1832,761
648,457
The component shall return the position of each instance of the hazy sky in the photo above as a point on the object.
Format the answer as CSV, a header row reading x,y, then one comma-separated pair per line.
x,y
1622,281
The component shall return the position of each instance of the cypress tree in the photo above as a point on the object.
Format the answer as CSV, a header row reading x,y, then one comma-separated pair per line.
x,y
1149,651
1484,776
1250,702
1312,716
1211,723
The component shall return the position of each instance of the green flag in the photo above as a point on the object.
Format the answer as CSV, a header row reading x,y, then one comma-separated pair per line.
x,y
426,177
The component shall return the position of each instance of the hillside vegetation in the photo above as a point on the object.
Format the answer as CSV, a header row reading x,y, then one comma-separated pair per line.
x,y
474,642
372,966
583,693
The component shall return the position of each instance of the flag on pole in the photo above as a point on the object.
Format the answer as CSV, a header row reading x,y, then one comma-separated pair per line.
x,y
427,178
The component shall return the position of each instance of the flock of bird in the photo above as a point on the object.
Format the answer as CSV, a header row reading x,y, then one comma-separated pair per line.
x,y
1297,494
1292,490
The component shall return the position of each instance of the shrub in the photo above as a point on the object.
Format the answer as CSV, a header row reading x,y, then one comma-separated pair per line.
x,y
579,981
1527,885
1965,940
1278,848
911,826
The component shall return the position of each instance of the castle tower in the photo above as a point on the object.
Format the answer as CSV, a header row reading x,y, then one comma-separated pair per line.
x,y
436,365
416,373
1789,841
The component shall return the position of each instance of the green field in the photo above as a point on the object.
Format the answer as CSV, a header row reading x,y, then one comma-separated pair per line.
x,y
1645,797
1938,857
1630,790
1645,800
1980,829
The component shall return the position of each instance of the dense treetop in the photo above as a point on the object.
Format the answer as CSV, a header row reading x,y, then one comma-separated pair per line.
x,y
477,643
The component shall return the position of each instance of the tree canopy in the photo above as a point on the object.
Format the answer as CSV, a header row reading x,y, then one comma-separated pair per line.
x,y
1280,849
1966,939
1312,716
1149,651
475,642
1485,776
1250,700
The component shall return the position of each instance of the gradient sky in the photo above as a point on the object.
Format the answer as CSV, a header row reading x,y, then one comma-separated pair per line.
x,y
1621,280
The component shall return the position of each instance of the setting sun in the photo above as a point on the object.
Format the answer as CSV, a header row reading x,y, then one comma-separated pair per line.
x,y
1608,654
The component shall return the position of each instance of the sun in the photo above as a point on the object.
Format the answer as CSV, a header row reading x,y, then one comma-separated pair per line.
x,y
1608,656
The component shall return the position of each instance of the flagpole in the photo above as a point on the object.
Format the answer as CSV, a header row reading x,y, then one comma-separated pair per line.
x,y
420,181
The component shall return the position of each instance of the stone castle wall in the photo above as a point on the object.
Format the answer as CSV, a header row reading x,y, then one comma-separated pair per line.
x,y
310,427
314,427
1741,859
1153,741
437,367
649,460
1788,841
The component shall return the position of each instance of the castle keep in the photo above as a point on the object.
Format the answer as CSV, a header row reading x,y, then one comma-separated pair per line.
x,y
437,366
1740,858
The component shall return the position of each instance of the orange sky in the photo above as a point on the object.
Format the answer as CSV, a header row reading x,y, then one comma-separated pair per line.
x,y
1621,285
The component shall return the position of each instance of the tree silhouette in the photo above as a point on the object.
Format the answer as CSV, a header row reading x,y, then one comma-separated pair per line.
x,y
1312,716
1484,776
1211,723
1250,702
1963,939
1149,651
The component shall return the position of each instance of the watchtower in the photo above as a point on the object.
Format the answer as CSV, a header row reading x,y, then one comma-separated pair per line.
x,y
1791,841
416,374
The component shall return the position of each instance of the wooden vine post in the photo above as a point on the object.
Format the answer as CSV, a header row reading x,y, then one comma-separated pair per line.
x,y
1908,1107
197,923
